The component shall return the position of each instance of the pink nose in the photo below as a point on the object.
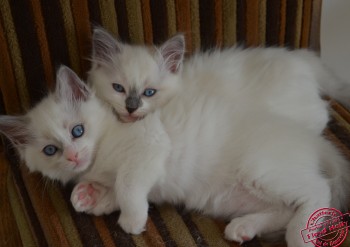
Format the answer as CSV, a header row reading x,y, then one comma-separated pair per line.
x,y
73,157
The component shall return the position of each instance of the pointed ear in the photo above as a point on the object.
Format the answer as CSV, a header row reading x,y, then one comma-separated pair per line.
x,y
173,52
104,46
69,87
15,128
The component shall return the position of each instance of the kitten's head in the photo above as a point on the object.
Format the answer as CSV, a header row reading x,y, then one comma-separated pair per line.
x,y
135,80
58,136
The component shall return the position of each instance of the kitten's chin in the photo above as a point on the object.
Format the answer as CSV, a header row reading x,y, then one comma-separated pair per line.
x,y
129,118
82,166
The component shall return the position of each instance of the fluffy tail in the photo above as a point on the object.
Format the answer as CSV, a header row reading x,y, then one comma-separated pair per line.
x,y
337,170
329,84
334,87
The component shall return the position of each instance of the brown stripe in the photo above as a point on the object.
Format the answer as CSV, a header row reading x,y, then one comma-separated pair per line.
x,y
8,90
273,22
195,232
147,21
9,233
195,25
55,33
241,21
282,36
298,23
45,210
207,23
15,53
71,36
159,21
120,7
95,12
159,223
341,110
340,145
262,22
252,20
24,196
80,12
183,20
109,16
209,230
67,222
229,22
315,25
304,40
24,231
103,231
291,22
84,224
44,48
218,23
30,50
171,17
340,120
152,235
340,132
176,226
133,8
119,237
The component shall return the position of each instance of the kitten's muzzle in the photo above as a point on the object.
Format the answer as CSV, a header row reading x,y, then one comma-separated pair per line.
x,y
132,103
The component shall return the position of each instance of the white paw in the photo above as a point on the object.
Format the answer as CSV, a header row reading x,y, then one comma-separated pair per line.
x,y
84,197
132,224
240,230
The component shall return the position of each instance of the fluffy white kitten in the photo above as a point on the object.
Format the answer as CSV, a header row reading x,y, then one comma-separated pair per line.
x,y
244,127
72,136
264,175
136,80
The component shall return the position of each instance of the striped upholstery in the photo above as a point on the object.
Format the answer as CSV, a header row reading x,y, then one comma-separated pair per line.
x,y
36,36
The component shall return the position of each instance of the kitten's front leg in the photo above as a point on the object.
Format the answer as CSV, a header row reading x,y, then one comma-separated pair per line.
x,y
93,198
132,189
133,211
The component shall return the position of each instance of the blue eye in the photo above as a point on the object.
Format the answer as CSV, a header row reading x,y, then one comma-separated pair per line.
x,y
78,131
119,88
50,150
149,92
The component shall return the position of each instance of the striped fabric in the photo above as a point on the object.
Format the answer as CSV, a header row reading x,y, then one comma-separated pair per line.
x,y
38,35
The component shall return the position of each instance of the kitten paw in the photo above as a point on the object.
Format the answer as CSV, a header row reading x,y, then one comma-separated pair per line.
x,y
132,224
84,197
239,230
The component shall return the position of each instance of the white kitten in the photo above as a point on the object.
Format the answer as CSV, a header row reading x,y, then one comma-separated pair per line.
x,y
261,171
136,80
72,136
244,127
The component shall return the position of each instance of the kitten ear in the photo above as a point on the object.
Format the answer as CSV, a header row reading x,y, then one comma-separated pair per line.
x,y
15,128
104,46
173,52
69,86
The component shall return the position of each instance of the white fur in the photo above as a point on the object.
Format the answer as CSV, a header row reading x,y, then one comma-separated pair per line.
x,y
227,150
245,127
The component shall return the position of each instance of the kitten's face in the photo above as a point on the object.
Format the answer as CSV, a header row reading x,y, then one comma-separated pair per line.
x,y
60,133
64,139
135,80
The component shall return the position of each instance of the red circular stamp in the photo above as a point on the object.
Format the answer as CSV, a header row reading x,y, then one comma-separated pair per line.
x,y
326,227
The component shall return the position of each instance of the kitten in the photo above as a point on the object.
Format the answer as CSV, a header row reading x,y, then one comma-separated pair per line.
x,y
136,80
244,127
72,136
264,175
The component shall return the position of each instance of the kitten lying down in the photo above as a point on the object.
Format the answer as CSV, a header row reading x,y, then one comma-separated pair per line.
x,y
264,175
136,80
